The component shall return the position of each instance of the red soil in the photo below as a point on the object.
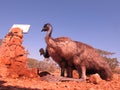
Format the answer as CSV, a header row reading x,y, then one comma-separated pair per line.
x,y
49,83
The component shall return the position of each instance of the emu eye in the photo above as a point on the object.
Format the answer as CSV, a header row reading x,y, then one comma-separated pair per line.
x,y
48,25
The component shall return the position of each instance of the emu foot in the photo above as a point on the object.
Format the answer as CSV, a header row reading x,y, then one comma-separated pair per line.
x,y
82,80
71,79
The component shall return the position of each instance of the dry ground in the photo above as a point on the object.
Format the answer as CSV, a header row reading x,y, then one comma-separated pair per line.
x,y
50,82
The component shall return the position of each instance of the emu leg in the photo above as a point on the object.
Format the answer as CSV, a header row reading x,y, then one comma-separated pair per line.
x,y
62,71
76,62
79,72
63,65
69,72
83,68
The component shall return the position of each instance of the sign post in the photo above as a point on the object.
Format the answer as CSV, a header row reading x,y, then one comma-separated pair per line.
x,y
24,27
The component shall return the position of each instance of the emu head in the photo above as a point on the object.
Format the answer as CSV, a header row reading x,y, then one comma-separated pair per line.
x,y
41,51
47,27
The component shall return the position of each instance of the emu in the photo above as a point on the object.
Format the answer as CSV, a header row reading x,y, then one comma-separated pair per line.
x,y
75,55
44,53
63,65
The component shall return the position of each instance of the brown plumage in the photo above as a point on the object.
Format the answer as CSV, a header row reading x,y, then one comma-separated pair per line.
x,y
90,60
71,55
61,61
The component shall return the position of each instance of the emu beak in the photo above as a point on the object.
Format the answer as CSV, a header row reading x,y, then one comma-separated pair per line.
x,y
40,53
42,30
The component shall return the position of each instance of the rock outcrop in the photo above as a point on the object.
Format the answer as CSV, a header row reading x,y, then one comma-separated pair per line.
x,y
13,57
95,78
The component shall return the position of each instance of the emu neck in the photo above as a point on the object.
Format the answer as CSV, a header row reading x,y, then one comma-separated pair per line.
x,y
48,36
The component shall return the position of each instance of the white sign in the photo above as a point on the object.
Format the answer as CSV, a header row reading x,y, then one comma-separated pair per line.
x,y
24,27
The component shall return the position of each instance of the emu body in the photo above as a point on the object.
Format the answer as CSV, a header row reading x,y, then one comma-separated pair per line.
x,y
71,55
61,62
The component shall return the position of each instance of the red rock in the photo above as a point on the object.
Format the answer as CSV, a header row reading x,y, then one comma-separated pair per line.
x,y
15,40
95,78
3,71
13,56
21,59
19,51
17,32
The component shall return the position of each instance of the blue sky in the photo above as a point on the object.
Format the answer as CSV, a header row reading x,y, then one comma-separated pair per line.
x,y
95,22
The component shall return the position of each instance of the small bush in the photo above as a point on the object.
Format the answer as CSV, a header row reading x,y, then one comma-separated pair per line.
x,y
45,66
32,63
113,63
117,70
42,65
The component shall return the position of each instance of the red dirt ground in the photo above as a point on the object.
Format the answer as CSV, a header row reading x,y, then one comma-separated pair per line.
x,y
50,82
